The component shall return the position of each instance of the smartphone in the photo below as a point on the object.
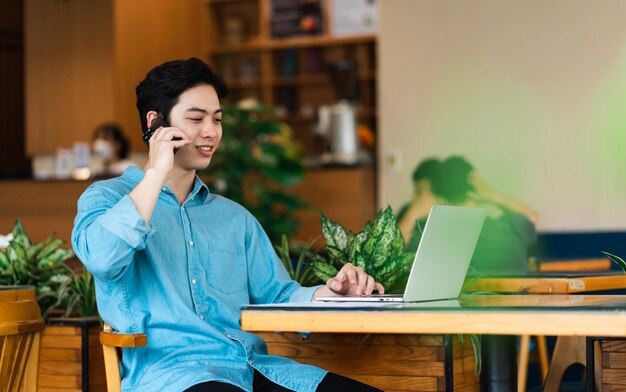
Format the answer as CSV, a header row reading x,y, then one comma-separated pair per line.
x,y
156,124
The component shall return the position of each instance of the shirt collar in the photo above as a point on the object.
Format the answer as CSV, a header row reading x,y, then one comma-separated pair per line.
x,y
134,175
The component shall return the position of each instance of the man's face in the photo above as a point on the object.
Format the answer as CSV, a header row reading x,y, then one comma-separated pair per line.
x,y
199,115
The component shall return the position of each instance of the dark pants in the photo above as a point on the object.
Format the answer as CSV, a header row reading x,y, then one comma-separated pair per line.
x,y
331,383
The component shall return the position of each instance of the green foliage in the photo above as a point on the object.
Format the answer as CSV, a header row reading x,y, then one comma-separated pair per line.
x,y
76,295
42,265
303,256
617,260
378,248
258,159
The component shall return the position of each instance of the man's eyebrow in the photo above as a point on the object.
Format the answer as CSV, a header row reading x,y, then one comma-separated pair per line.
x,y
200,110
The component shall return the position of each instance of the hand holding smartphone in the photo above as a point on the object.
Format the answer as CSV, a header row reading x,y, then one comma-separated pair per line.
x,y
154,126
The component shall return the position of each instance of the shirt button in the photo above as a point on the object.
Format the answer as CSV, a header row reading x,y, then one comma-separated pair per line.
x,y
164,189
250,361
190,243
193,281
229,336
202,317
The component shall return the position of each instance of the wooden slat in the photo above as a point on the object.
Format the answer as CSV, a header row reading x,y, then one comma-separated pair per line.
x,y
392,353
370,367
354,339
59,381
62,330
66,368
614,376
46,389
55,341
464,365
614,360
613,345
61,355
614,388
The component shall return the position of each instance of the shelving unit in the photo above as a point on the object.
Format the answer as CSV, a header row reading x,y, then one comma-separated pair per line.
x,y
287,73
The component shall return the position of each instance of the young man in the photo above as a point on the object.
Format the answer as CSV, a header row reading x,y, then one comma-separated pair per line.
x,y
176,262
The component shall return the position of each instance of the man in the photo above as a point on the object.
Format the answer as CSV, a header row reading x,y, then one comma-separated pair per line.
x,y
176,262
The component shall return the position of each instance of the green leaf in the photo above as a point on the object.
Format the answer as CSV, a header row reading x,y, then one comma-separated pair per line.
x,y
35,249
617,260
4,260
19,235
335,235
477,353
51,247
337,254
324,271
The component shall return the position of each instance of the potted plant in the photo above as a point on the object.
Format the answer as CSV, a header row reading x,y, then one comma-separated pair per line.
x,y
70,356
386,361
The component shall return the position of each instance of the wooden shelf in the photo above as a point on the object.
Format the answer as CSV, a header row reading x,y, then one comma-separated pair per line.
x,y
299,80
242,84
277,44
310,84
313,79
216,2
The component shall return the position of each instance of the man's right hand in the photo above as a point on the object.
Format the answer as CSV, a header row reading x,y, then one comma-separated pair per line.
x,y
162,145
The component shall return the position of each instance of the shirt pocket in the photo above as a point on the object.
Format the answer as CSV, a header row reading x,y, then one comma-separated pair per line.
x,y
226,271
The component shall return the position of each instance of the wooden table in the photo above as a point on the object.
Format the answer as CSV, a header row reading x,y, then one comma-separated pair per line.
x,y
561,315
544,283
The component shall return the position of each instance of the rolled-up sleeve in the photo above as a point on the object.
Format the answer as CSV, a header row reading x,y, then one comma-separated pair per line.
x,y
107,231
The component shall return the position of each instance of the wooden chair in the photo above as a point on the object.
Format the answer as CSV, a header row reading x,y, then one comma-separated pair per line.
x,y
20,337
112,342
567,350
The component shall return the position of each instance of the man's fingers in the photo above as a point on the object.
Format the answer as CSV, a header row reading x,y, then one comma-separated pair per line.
x,y
379,288
350,273
334,284
361,280
369,285
341,276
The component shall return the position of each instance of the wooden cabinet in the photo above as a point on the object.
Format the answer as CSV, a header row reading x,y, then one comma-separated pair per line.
x,y
85,57
289,74
344,195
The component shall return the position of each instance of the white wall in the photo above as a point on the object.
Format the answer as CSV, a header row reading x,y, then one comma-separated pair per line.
x,y
533,93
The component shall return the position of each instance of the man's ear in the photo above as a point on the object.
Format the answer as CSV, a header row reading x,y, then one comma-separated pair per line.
x,y
150,116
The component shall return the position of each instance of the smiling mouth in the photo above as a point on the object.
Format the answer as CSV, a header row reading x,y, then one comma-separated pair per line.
x,y
206,148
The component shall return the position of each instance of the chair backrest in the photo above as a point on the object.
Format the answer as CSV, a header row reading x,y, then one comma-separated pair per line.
x,y
20,336
112,342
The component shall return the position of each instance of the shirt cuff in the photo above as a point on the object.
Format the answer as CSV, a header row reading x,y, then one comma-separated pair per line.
x,y
124,221
304,294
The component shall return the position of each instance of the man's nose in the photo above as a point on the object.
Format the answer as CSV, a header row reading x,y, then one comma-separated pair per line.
x,y
210,131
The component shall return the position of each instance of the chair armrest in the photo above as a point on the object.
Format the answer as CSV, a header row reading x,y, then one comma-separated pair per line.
x,y
116,339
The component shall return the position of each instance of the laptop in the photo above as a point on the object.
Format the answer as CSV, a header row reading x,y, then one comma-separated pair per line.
x,y
442,258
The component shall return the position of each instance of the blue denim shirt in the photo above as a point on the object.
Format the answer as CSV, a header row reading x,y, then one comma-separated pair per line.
x,y
182,279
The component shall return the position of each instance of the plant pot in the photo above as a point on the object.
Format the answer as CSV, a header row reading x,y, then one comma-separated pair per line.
x,y
71,356
391,362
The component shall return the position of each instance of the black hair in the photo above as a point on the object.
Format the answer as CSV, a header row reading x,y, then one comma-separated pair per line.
x,y
165,83
452,180
114,131
426,169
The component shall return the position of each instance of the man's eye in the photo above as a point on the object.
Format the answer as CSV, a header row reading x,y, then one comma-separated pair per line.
x,y
195,120
217,120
